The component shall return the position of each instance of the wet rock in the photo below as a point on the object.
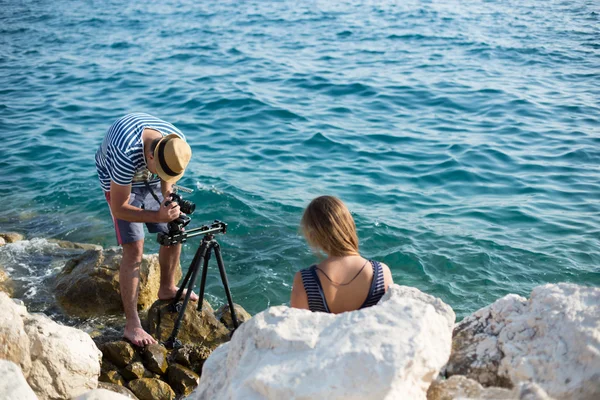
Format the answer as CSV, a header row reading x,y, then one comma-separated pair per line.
x,y
135,370
223,314
151,389
155,358
117,389
191,356
546,340
2,241
88,285
64,244
11,237
197,327
120,353
182,379
13,384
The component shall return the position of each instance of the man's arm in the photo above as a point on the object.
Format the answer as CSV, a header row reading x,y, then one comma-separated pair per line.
x,y
121,209
166,188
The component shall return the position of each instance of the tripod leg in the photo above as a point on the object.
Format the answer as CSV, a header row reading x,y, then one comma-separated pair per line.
x,y
225,283
204,273
185,281
200,254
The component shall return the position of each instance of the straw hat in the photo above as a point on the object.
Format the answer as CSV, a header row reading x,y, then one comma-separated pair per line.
x,y
172,155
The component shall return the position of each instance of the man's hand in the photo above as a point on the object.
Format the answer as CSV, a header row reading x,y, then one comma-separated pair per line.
x,y
168,213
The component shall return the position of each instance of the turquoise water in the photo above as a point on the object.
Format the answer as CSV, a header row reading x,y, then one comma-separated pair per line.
x,y
465,138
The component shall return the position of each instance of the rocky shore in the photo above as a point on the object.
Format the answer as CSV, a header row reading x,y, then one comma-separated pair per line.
x,y
409,346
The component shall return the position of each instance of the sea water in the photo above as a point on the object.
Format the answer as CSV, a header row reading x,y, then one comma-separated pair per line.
x,y
463,136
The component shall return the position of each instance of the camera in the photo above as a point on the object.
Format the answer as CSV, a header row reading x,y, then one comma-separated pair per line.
x,y
186,206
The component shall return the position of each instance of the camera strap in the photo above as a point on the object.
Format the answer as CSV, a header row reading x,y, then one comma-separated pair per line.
x,y
152,192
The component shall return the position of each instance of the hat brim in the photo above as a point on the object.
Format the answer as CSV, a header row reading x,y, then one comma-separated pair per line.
x,y
159,171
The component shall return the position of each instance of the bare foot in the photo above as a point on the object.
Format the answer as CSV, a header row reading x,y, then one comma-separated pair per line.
x,y
138,336
168,294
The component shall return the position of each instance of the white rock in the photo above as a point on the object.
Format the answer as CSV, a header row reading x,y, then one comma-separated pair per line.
x,y
14,343
552,339
101,394
390,351
65,360
13,385
60,362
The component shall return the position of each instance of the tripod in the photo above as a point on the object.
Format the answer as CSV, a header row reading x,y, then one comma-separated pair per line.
x,y
208,244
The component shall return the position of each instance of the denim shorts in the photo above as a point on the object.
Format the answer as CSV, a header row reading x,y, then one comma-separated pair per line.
x,y
129,232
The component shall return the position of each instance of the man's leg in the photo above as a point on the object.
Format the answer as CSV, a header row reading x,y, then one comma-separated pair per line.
x,y
168,256
129,279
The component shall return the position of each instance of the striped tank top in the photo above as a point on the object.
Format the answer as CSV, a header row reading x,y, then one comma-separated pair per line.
x,y
120,157
316,296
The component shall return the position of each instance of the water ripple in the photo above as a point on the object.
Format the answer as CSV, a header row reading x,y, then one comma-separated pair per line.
x,y
464,137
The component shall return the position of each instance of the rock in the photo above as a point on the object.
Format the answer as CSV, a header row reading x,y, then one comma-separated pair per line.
x,y
6,284
57,361
392,350
88,285
155,358
120,353
113,377
460,387
135,370
65,360
182,379
13,385
2,241
197,327
191,356
551,339
117,389
63,244
151,389
103,394
223,314
14,343
11,237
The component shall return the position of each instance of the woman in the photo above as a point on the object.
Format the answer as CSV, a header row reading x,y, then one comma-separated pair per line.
x,y
344,281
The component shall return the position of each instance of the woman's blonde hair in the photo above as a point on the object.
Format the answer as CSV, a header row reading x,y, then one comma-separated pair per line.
x,y
328,225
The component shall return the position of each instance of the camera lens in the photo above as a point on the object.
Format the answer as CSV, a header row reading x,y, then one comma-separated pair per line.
x,y
187,207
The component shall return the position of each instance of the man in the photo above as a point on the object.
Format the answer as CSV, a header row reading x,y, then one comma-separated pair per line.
x,y
138,162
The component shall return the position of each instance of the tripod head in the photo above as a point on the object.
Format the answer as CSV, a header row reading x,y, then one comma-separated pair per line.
x,y
180,236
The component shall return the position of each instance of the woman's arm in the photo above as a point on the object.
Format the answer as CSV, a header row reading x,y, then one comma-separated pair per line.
x,y
387,276
299,298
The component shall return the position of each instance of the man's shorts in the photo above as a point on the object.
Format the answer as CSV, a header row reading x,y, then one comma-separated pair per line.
x,y
129,232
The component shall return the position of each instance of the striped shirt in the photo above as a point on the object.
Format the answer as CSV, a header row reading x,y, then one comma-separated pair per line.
x,y
120,157
316,295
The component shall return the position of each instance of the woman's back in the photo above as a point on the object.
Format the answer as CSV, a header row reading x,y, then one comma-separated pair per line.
x,y
344,281
343,284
